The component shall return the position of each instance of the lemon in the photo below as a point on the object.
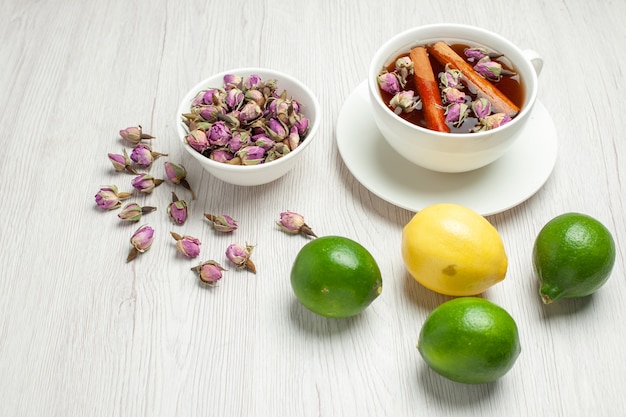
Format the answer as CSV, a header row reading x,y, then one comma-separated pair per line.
x,y
453,250
335,277
573,256
469,340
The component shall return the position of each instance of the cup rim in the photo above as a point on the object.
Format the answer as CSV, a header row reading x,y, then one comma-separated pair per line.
x,y
185,102
382,55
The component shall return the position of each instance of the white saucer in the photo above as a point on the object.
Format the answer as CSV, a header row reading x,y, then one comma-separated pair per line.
x,y
505,183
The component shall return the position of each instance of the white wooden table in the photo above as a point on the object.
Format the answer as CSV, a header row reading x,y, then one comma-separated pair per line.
x,y
83,333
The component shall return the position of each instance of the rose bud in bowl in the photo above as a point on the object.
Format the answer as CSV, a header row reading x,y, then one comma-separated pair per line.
x,y
450,97
248,126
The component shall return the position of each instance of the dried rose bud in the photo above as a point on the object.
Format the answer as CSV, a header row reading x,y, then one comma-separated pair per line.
x,y
302,123
279,150
221,155
108,197
240,256
451,78
134,135
255,96
389,82
145,183
211,112
481,107
234,98
491,70
253,81
263,141
209,272
495,120
475,53
293,223
178,175
219,134
276,130
232,81
404,101
121,162
404,68
198,140
293,140
251,155
238,140
187,245
141,241
456,113
278,107
143,155
222,223
250,112
132,212
453,95
177,210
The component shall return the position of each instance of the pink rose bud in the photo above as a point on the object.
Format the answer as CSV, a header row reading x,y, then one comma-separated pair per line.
x,y
132,212
209,272
211,112
293,223
121,162
475,53
222,223
145,183
234,98
491,70
178,175
495,120
221,155
251,155
198,140
453,95
456,113
238,140
134,135
240,256
293,140
302,123
219,134
389,82
232,81
187,245
404,101
143,155
255,96
253,81
250,112
481,108
141,241
177,210
276,130
108,197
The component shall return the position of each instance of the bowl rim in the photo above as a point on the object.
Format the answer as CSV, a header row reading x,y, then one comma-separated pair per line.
x,y
183,106
374,69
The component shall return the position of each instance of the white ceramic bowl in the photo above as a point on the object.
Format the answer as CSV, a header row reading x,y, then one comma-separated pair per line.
x,y
451,152
248,175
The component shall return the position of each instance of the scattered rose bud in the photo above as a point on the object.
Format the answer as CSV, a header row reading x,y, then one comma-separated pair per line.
x,y
132,212
389,82
108,197
222,223
187,245
177,210
134,135
240,256
121,162
141,241
293,223
209,272
145,183
143,155
178,175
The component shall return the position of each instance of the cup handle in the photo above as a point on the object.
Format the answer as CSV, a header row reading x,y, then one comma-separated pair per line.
x,y
534,59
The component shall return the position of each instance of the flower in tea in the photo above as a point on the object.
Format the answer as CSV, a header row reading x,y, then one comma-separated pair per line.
x,y
450,78
404,101
389,82
404,67
209,272
453,95
481,107
495,120
456,113
132,212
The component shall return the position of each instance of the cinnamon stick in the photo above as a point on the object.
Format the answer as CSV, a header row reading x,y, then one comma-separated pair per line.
x,y
428,90
483,88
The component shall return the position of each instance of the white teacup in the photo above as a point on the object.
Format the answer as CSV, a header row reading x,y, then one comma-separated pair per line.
x,y
452,152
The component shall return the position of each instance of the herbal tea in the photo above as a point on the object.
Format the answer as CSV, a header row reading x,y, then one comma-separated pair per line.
x,y
452,87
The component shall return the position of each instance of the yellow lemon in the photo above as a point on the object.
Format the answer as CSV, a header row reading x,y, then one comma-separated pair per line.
x,y
453,250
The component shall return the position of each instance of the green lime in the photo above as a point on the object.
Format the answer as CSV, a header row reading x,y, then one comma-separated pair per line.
x,y
334,276
573,256
469,340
